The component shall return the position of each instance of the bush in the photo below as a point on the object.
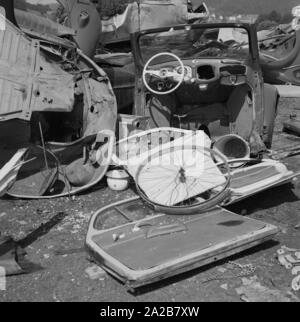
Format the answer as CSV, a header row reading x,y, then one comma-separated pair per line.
x,y
109,8
267,24
274,18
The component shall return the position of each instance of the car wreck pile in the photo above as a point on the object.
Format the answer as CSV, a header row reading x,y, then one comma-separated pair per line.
x,y
196,140
53,93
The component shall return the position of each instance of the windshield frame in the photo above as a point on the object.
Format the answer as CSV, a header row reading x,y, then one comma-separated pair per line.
x,y
250,28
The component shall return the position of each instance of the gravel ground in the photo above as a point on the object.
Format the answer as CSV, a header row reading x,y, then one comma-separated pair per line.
x,y
45,227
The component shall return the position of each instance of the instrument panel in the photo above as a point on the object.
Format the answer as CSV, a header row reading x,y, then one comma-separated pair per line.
x,y
188,72
205,72
201,76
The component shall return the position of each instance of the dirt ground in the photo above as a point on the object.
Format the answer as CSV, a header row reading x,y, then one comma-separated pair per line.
x,y
45,227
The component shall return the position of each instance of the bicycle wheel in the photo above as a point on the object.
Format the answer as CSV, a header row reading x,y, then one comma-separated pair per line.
x,y
182,188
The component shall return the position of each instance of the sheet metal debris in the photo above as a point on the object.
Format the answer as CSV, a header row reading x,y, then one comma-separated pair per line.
x,y
95,272
8,174
165,245
290,259
13,258
254,291
68,106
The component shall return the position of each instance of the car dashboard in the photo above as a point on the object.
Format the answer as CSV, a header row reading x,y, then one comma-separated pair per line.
x,y
207,80
207,71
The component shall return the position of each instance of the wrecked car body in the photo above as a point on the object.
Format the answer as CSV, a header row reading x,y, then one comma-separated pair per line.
x,y
145,14
221,88
114,54
206,80
52,92
209,77
217,87
276,44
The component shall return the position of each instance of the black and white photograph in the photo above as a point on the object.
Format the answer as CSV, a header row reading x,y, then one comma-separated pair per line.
x,y
149,154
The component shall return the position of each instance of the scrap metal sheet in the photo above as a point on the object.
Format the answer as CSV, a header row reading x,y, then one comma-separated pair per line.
x,y
160,246
28,80
17,64
151,14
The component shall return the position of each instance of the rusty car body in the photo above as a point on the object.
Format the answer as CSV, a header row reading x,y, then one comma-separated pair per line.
x,y
216,85
221,88
114,54
207,77
278,43
58,104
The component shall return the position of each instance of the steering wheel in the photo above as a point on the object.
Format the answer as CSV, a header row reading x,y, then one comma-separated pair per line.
x,y
164,74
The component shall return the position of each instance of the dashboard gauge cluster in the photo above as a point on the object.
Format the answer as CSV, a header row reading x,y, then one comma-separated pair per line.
x,y
187,71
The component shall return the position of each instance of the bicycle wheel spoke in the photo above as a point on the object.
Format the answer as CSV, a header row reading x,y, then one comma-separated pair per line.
x,y
183,177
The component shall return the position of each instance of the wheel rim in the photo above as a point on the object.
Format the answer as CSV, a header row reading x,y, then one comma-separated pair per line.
x,y
187,207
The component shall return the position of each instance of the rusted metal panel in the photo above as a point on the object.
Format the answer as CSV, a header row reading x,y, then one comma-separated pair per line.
x,y
16,50
53,88
17,66
150,14
28,81
53,93
11,97
168,246
31,22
